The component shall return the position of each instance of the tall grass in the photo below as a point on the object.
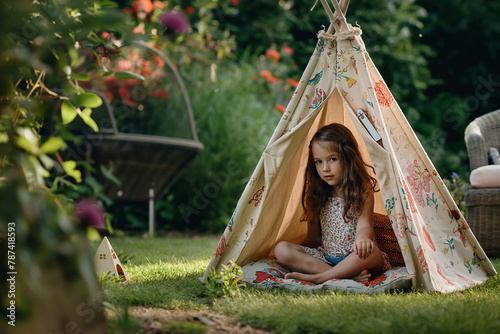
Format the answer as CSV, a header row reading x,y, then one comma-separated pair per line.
x,y
164,274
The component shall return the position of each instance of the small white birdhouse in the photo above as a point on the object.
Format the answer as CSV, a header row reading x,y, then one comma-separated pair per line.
x,y
106,260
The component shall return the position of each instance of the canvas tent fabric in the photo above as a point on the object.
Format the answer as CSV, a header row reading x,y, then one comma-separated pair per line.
x,y
440,251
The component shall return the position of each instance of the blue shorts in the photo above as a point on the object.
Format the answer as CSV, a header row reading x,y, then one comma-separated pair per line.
x,y
319,254
333,259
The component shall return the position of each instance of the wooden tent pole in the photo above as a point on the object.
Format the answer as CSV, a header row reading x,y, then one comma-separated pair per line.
x,y
343,5
340,15
334,21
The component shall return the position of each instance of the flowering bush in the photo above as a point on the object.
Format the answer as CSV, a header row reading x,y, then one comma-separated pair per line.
x,y
277,71
142,82
186,33
457,188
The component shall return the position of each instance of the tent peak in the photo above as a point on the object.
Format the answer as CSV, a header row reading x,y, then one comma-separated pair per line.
x,y
337,18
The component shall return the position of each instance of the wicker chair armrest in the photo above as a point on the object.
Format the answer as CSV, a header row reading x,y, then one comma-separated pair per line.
x,y
482,197
476,148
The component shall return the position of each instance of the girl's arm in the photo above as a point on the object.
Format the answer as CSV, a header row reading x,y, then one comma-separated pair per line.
x,y
365,236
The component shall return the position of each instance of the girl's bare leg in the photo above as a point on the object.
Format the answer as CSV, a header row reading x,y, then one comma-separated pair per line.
x,y
350,267
294,257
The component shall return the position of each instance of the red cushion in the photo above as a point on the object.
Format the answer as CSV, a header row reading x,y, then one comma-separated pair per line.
x,y
386,240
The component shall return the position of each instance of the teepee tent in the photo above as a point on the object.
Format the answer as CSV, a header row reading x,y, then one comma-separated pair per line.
x,y
341,84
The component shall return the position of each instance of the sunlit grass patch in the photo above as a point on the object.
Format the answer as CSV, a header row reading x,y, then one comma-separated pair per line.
x,y
164,273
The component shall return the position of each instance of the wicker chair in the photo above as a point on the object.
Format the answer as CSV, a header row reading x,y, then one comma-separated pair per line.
x,y
483,204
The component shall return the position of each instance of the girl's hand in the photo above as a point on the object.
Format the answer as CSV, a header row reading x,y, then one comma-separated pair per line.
x,y
363,247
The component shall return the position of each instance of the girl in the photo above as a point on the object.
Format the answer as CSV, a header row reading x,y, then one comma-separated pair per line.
x,y
337,197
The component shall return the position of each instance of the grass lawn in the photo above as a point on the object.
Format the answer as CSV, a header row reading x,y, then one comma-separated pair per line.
x,y
164,274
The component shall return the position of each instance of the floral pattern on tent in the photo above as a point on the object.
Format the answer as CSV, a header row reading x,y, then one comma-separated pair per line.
x,y
440,251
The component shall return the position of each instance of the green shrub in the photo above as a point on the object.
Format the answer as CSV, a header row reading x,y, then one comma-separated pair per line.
x,y
235,117
457,188
226,282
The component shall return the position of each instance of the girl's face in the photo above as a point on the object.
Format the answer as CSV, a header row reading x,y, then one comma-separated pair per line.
x,y
327,162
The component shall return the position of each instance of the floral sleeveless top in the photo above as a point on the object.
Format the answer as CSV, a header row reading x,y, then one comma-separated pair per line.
x,y
337,235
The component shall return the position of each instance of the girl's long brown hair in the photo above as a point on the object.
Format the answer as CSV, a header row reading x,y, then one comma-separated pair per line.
x,y
355,182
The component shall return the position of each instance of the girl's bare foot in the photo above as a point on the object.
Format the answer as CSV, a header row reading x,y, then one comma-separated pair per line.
x,y
304,277
363,276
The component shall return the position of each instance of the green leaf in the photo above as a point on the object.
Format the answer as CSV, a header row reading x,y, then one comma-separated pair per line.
x,y
68,112
128,75
69,167
53,188
110,176
69,90
27,139
85,115
4,137
87,166
109,226
95,186
25,144
68,183
47,162
92,234
73,54
89,100
52,145
81,76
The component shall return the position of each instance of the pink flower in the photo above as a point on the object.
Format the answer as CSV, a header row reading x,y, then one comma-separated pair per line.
x,y
174,22
90,213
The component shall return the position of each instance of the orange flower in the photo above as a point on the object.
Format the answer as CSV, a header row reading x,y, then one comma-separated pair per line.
x,y
158,5
138,30
142,6
288,50
280,107
133,56
273,80
266,75
160,93
145,70
189,10
234,2
273,54
292,82
159,61
124,65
